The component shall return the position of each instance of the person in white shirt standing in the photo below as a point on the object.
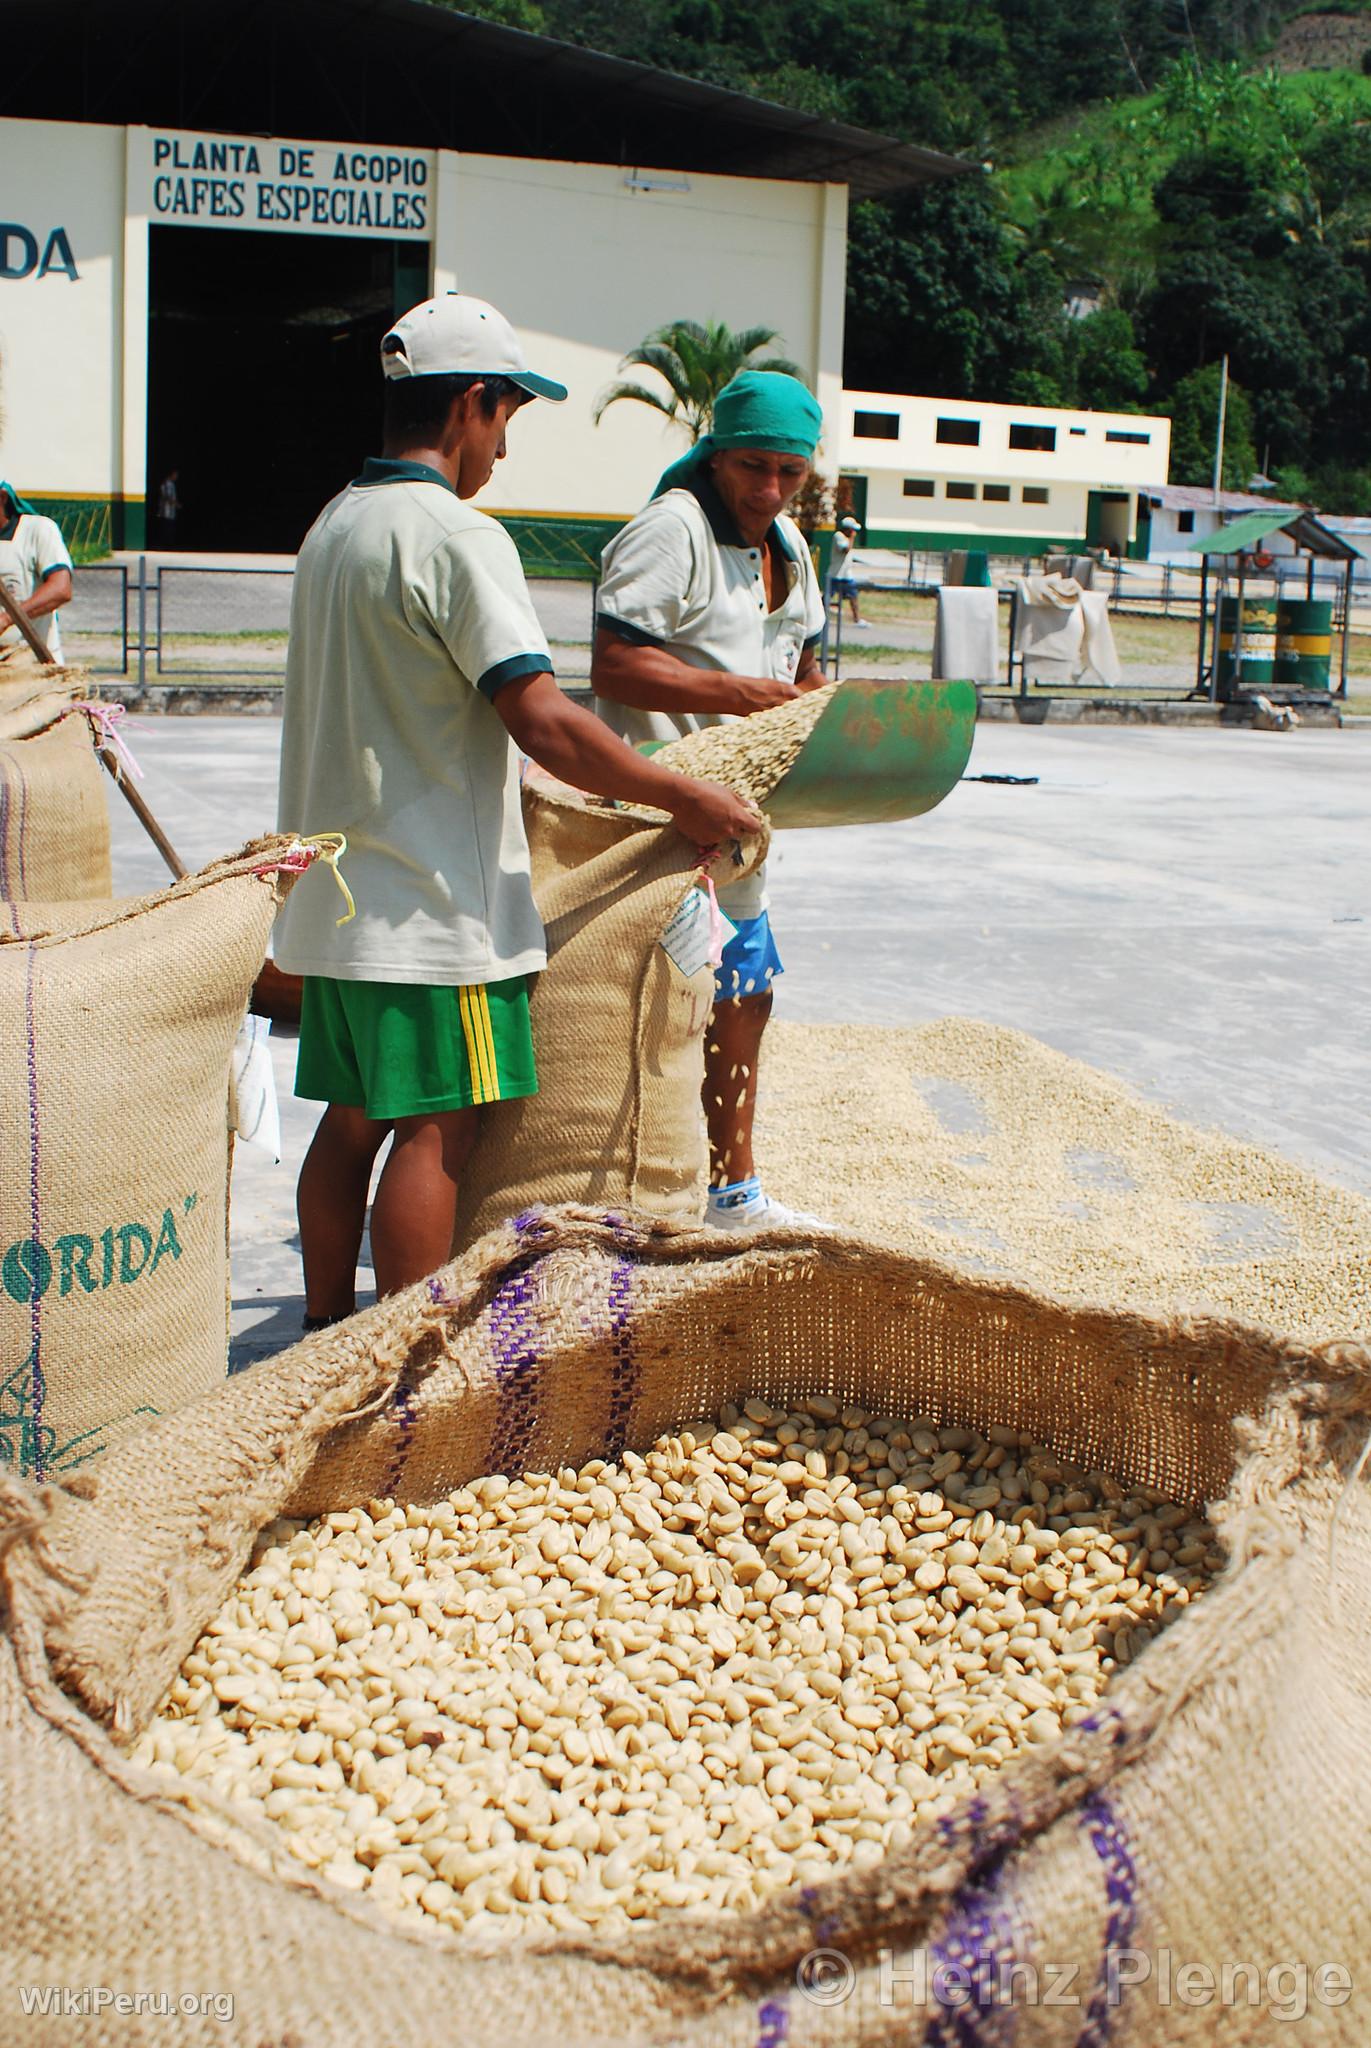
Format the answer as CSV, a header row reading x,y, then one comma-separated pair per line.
x,y
841,581
415,659
36,570
709,610
168,508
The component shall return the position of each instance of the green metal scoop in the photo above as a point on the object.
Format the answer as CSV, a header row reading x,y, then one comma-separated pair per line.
x,y
880,751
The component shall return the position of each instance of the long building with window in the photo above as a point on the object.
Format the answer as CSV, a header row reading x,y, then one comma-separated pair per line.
x,y
931,473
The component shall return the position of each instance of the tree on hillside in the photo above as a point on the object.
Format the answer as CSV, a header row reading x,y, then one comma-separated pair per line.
x,y
694,360
1107,368
937,302
1194,411
945,73
1269,265
1220,205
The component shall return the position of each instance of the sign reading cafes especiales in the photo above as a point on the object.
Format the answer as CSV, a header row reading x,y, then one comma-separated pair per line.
x,y
182,178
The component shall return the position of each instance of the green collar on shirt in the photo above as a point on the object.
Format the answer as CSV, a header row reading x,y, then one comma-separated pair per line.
x,y
10,527
722,524
393,469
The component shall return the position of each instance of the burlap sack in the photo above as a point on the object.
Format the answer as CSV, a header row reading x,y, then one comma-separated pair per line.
x,y
114,1152
1210,1813
35,697
54,820
618,1029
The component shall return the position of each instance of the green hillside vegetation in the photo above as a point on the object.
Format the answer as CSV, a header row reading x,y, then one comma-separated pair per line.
x,y
1084,187
1138,154
1229,210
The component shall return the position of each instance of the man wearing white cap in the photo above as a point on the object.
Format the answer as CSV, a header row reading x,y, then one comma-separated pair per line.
x,y
415,658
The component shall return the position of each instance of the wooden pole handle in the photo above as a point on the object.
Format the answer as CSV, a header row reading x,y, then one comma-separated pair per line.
x,y
140,810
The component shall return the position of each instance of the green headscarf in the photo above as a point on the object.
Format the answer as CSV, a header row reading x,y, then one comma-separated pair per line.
x,y
757,409
19,504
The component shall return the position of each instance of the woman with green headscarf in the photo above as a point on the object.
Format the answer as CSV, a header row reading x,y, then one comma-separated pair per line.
x,y
709,610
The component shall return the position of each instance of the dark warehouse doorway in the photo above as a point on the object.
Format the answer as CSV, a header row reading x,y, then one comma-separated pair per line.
x,y
264,383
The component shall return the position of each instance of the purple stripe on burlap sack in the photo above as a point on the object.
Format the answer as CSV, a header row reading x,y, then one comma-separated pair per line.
x,y
23,833
6,806
970,1968
623,1372
514,1340
514,1336
825,1925
1109,1839
773,2024
993,1837
402,1403
37,1389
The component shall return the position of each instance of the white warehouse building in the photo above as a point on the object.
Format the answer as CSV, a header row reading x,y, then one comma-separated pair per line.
x,y
940,473
207,232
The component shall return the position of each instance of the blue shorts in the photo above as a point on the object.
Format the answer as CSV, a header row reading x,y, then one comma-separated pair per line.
x,y
844,586
750,963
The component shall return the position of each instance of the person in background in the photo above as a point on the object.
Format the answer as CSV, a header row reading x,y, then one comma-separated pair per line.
x,y
36,570
841,581
416,671
168,508
709,610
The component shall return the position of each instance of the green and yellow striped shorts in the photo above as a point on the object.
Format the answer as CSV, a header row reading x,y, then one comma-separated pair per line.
x,y
399,1049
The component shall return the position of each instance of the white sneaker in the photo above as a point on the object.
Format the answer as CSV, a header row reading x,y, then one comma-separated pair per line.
x,y
762,1213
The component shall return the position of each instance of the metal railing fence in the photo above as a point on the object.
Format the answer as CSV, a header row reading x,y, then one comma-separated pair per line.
x,y
165,622
155,621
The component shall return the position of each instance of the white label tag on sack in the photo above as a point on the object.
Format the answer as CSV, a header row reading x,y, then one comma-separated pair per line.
x,y
686,940
255,1110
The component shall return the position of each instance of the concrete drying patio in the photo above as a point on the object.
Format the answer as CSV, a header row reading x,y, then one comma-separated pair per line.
x,y
1190,910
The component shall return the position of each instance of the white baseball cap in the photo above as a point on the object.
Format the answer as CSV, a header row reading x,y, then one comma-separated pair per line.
x,y
851,524
455,335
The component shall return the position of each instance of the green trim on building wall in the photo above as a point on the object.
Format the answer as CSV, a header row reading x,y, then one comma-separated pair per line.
x,y
131,523
556,545
939,540
88,524
566,545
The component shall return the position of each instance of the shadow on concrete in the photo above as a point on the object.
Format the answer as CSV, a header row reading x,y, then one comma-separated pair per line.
x,y
279,1323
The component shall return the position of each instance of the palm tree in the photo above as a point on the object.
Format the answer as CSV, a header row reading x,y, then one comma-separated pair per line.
x,y
695,360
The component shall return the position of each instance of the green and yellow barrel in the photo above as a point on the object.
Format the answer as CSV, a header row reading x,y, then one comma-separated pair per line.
x,y
1304,643
1257,656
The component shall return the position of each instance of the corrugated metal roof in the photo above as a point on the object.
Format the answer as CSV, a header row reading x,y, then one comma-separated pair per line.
x,y
1304,529
412,73
1199,498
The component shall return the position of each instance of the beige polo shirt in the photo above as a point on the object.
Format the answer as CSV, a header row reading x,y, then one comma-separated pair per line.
x,y
409,613
34,551
680,576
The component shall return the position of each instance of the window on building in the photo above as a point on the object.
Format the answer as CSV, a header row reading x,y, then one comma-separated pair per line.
x,y
1185,522
961,433
1034,494
918,487
876,426
957,490
1076,430
998,494
1042,440
1118,434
